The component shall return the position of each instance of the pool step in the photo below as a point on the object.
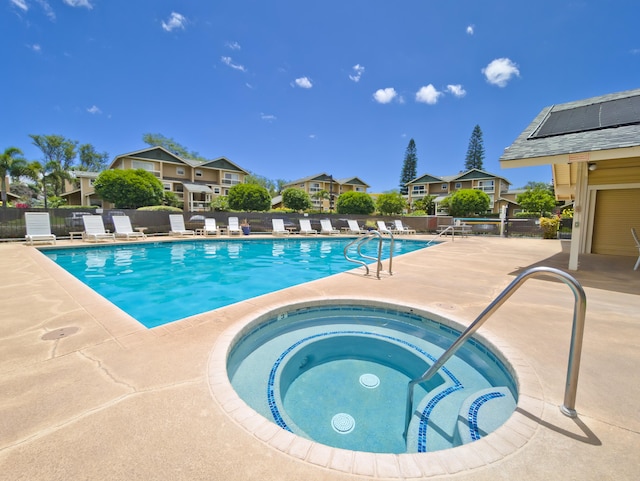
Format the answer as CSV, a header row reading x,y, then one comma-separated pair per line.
x,y
483,412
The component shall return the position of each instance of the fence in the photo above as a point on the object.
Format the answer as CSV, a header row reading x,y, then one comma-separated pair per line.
x,y
64,221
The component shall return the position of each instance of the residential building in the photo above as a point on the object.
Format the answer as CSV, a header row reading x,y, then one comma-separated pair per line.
x,y
324,189
495,186
593,148
195,183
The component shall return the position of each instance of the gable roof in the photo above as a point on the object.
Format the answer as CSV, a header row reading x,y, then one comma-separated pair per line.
x,y
324,177
468,175
595,124
161,154
352,181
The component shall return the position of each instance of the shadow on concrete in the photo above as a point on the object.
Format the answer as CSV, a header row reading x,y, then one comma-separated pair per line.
x,y
589,436
611,273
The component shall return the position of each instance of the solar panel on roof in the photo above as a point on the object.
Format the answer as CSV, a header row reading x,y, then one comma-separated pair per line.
x,y
604,115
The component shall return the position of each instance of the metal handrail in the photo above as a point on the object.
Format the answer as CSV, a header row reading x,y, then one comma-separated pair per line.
x,y
360,241
575,349
440,234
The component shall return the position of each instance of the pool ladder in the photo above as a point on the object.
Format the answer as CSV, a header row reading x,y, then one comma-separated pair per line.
x,y
361,241
575,349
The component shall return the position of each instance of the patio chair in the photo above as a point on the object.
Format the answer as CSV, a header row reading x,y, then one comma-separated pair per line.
x,y
122,224
354,228
210,227
177,226
383,229
327,228
637,241
38,228
305,227
402,229
278,227
94,229
233,226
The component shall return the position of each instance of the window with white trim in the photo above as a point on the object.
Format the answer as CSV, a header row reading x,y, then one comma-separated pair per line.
x,y
445,187
198,173
180,171
418,190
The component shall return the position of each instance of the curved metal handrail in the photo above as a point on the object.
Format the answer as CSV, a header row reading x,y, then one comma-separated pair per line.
x,y
359,242
575,349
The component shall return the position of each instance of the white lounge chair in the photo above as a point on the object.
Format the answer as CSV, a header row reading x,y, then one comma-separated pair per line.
x,y
327,228
177,226
210,227
305,227
278,227
38,227
400,227
122,224
354,228
234,226
383,229
94,229
637,241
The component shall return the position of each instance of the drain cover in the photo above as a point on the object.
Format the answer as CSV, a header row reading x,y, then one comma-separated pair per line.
x,y
343,423
370,381
59,333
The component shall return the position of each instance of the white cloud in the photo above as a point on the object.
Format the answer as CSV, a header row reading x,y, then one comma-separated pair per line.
x,y
268,117
21,4
500,71
358,71
304,82
384,96
48,11
176,20
233,45
229,61
312,136
471,29
456,90
79,3
428,95
35,47
94,110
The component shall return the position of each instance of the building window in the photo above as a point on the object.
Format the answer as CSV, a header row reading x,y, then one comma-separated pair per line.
x,y
216,190
485,185
198,173
180,171
445,186
167,186
458,185
417,190
230,179
314,187
359,189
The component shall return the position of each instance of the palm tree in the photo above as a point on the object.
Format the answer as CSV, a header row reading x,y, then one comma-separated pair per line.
x,y
12,164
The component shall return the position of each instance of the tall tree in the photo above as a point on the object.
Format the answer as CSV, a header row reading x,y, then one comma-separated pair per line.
x,y
475,151
12,164
59,155
409,167
171,145
90,159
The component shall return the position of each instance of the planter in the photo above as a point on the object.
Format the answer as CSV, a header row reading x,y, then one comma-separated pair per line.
x,y
246,229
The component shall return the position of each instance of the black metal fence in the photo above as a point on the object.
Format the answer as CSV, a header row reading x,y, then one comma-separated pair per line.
x,y
65,221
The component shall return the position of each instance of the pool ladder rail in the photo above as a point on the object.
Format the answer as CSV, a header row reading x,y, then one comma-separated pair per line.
x,y
363,240
575,349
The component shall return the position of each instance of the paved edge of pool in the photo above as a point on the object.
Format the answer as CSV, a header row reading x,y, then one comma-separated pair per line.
x,y
506,440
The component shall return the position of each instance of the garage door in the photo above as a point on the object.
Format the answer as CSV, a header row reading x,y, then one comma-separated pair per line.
x,y
616,212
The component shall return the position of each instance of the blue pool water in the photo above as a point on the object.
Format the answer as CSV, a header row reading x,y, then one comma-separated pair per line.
x,y
338,375
162,282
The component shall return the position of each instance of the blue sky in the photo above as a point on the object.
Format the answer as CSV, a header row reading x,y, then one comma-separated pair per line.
x,y
287,89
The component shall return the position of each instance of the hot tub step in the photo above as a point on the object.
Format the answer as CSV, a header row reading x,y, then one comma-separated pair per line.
x,y
483,412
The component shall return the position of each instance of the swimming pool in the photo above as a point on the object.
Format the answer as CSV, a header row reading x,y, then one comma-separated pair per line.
x,y
337,373
161,282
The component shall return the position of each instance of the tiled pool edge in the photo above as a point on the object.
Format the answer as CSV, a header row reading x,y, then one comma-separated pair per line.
x,y
504,441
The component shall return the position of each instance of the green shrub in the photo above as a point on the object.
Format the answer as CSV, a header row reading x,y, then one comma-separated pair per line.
x,y
549,227
353,202
160,208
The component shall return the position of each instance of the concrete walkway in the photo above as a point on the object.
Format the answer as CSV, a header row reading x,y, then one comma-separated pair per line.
x,y
86,393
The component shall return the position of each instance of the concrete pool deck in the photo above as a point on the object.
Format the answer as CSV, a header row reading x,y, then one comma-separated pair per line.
x,y
88,393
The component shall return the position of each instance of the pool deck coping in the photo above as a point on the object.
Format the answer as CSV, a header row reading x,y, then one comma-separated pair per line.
x,y
117,363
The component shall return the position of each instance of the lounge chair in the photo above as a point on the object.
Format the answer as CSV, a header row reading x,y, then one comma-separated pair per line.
x,y
278,227
383,229
122,224
38,227
354,228
402,229
94,229
327,228
234,226
637,241
305,227
210,227
177,226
